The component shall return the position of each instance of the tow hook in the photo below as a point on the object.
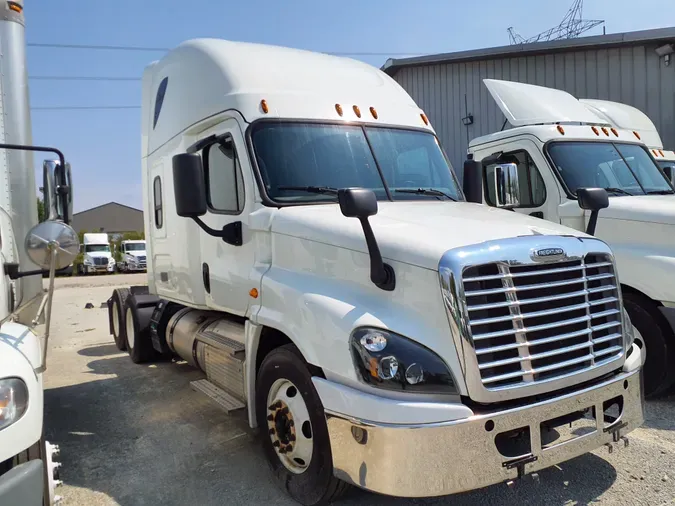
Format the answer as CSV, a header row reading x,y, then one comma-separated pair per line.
x,y
519,464
616,436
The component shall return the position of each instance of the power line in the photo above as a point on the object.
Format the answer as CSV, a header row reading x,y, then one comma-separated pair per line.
x,y
83,78
83,107
164,49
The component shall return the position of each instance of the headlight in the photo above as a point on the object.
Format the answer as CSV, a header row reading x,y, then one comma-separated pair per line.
x,y
393,362
628,332
111,261
13,401
88,261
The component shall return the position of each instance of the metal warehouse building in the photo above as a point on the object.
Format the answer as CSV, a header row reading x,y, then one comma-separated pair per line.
x,y
636,68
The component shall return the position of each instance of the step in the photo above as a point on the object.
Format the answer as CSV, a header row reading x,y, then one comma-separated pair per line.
x,y
233,348
225,400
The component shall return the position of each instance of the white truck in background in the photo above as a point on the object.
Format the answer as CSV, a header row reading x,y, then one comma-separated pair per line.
x,y
559,144
627,117
97,255
310,250
28,463
133,256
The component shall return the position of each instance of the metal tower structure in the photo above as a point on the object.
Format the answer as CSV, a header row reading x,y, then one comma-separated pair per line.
x,y
570,27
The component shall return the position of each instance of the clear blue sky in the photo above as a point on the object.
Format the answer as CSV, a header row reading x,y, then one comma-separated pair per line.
x,y
103,146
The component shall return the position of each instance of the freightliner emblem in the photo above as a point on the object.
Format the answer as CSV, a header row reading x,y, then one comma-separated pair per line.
x,y
547,254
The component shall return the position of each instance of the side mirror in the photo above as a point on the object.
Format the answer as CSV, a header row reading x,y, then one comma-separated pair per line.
x,y
361,203
670,173
592,199
189,187
507,187
57,187
473,181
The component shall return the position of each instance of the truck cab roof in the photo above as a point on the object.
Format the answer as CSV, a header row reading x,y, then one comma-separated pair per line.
x,y
238,76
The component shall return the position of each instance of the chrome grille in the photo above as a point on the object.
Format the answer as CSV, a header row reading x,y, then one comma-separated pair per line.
x,y
100,261
540,322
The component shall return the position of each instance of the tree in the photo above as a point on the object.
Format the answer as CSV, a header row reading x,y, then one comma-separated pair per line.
x,y
41,210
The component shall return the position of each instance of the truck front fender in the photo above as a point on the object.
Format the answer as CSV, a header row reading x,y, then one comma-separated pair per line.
x,y
648,269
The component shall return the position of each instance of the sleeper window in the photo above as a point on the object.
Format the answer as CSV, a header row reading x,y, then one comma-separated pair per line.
x,y
225,187
157,191
532,189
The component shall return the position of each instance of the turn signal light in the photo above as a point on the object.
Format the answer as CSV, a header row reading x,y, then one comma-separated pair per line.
x,y
425,119
253,293
605,131
561,130
616,134
373,112
13,6
595,130
263,106
338,108
357,111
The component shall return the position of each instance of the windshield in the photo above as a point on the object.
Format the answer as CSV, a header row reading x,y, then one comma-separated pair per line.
x,y
95,248
134,246
313,158
623,169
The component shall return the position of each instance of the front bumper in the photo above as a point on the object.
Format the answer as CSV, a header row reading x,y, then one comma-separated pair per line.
x,y
450,457
23,484
100,268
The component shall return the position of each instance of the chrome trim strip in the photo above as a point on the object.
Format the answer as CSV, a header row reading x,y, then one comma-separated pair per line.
x,y
516,252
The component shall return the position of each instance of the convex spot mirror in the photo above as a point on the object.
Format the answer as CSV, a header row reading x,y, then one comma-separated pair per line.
x,y
60,236
57,187
670,173
507,187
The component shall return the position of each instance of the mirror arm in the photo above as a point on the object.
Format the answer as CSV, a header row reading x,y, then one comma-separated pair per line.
x,y
13,272
381,274
592,222
231,233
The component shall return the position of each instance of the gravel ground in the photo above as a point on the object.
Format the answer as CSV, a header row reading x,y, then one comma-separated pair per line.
x,y
138,435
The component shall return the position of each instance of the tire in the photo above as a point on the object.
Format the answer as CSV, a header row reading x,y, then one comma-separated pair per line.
x,y
314,484
117,312
137,320
659,368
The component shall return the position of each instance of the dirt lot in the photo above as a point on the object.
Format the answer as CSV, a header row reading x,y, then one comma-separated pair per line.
x,y
138,435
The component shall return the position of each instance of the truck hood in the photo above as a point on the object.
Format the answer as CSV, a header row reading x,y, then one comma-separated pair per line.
x,y
645,208
416,233
99,254
136,253
16,341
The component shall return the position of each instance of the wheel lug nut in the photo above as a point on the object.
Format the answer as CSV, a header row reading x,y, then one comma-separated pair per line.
x,y
289,448
291,438
284,411
282,450
276,444
291,423
270,418
272,432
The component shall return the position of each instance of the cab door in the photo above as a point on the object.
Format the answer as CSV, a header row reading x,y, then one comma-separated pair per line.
x,y
227,265
539,190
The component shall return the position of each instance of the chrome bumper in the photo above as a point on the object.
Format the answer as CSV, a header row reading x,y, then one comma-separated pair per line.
x,y
451,457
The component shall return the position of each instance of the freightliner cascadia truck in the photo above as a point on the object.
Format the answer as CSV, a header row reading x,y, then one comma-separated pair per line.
x,y
311,250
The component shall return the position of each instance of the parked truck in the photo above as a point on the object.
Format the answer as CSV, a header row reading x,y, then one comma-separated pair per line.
x,y
133,256
630,118
558,145
310,249
29,467
97,256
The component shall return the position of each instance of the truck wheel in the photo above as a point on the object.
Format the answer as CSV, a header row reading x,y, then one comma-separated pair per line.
x,y
119,329
293,429
137,322
659,368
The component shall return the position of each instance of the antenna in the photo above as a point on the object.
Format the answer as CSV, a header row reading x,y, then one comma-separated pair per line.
x,y
571,26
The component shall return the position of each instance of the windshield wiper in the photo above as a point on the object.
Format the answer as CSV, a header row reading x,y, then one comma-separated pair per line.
x,y
659,192
310,189
620,191
425,191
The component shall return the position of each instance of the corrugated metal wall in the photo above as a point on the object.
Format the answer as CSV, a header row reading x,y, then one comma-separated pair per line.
x,y
633,75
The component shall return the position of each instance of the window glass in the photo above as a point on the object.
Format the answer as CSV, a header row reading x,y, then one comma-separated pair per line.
x,y
157,192
622,169
532,188
224,185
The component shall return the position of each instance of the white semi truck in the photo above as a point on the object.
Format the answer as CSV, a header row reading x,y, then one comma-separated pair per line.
x,y
310,249
97,256
559,144
28,463
133,256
